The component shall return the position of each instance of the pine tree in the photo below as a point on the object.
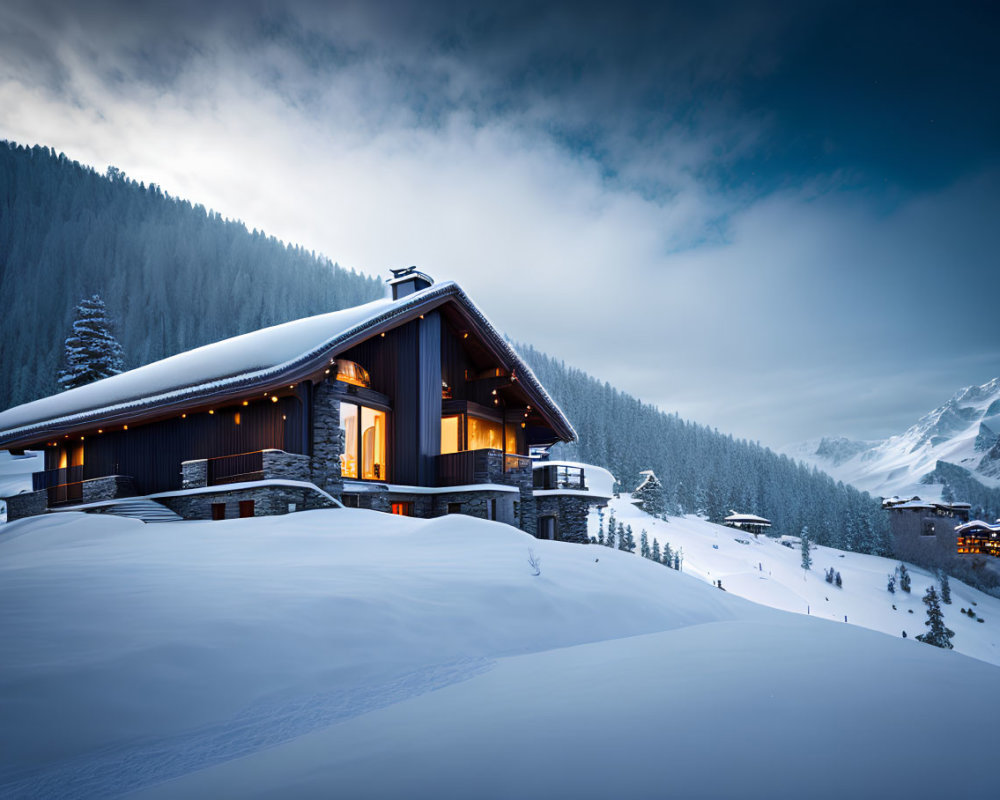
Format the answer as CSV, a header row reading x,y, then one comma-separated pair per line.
x,y
904,578
806,556
679,559
839,581
609,540
655,552
938,635
650,495
668,556
891,586
600,529
829,575
92,351
644,545
628,540
945,589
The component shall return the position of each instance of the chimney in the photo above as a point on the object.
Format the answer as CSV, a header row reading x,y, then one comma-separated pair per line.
x,y
407,281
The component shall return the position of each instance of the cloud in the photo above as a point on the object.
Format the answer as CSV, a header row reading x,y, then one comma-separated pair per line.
x,y
815,307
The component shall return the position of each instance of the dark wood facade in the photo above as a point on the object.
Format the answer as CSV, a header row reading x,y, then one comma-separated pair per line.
x,y
433,361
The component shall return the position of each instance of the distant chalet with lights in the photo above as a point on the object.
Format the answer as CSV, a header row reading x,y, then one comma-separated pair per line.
x,y
413,404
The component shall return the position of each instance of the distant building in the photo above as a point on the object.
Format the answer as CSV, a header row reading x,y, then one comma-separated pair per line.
x,y
750,523
923,532
978,538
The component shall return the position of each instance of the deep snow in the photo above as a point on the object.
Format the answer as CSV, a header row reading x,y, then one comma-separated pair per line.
x,y
353,653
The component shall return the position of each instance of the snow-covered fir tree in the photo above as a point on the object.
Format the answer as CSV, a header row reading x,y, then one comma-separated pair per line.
x,y
627,541
938,635
945,589
92,351
806,546
644,545
609,540
655,552
668,556
904,578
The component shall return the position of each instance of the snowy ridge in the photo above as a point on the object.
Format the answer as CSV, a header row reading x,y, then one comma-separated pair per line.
x,y
963,431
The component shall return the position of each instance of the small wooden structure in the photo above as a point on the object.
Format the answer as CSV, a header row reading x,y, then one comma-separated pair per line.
x,y
750,523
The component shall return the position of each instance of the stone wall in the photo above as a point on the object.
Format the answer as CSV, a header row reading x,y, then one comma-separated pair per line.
x,y
327,439
268,500
571,514
30,504
287,466
27,504
194,474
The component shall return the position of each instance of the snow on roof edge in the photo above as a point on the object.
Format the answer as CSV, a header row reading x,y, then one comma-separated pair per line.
x,y
391,309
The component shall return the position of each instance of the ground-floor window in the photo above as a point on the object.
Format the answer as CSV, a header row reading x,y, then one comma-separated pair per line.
x,y
246,508
454,508
547,527
491,509
351,500
218,511
403,509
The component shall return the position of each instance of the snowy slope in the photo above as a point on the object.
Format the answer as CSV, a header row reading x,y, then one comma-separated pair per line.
x,y
964,431
351,653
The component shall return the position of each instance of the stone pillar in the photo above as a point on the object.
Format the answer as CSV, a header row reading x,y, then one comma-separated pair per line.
x,y
290,466
327,439
194,474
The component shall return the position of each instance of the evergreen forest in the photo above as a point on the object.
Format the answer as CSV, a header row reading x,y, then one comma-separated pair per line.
x,y
173,275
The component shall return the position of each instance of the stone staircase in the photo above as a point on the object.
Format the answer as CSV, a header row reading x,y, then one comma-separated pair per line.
x,y
142,509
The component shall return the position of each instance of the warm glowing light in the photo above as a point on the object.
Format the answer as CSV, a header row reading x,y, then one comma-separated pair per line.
x,y
465,336
274,399
184,416
523,425
124,427
382,335
81,438
237,418
100,430
211,411
292,386
246,402
283,416
494,392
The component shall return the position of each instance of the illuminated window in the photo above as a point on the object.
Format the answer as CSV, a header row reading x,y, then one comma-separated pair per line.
x,y
451,434
349,425
350,372
403,509
373,444
514,439
364,453
484,433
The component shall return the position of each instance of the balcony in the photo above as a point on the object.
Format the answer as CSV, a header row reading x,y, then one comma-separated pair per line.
x,y
559,477
70,485
236,468
480,466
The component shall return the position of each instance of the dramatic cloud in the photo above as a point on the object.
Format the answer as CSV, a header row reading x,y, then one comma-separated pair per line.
x,y
618,189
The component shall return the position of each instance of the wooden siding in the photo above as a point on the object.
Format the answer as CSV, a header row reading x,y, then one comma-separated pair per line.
x,y
429,399
152,453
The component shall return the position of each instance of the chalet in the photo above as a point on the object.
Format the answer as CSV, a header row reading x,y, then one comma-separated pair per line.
x,y
923,531
413,404
750,523
978,538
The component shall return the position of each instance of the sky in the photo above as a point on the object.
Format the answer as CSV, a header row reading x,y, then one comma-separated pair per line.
x,y
777,219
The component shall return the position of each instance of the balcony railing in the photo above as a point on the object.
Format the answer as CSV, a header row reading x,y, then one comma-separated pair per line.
x,y
236,469
478,466
56,477
559,477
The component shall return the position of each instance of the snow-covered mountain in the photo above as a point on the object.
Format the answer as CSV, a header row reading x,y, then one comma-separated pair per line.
x,y
964,432
351,653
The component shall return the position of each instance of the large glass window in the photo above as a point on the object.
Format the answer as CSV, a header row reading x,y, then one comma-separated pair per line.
x,y
451,434
349,425
364,453
513,438
373,466
484,433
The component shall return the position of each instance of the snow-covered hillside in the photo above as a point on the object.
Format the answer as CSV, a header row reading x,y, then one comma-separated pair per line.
x,y
965,431
356,654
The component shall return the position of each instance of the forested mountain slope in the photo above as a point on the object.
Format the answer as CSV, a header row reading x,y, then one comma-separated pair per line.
x,y
174,275
704,471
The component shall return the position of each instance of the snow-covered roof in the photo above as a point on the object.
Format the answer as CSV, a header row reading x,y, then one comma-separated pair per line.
x,y
598,480
264,358
648,476
746,519
978,524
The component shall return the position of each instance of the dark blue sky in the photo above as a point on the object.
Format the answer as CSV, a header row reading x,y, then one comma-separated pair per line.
x,y
775,218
